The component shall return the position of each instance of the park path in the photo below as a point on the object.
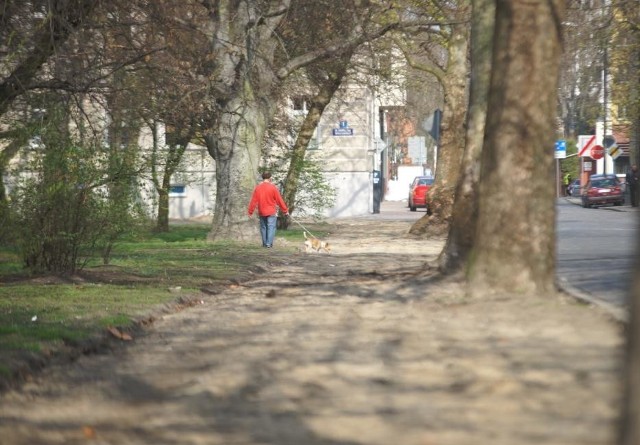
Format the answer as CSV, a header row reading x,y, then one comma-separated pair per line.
x,y
363,346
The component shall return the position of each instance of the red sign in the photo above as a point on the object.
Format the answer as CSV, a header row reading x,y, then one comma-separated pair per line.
x,y
597,152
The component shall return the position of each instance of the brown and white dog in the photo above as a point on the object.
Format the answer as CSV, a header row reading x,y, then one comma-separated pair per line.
x,y
311,243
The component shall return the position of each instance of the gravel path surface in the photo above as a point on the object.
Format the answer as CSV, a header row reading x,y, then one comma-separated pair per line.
x,y
365,345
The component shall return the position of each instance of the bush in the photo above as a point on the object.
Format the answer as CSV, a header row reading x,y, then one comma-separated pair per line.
x,y
69,209
314,194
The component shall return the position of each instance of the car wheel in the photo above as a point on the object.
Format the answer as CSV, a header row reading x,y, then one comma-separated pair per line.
x,y
585,204
429,212
412,208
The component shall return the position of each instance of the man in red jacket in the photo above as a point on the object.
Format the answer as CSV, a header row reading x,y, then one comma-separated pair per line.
x,y
266,196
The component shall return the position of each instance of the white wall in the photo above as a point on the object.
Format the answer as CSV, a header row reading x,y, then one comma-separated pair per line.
x,y
352,194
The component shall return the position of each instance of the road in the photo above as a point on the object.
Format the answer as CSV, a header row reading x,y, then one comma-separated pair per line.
x,y
596,250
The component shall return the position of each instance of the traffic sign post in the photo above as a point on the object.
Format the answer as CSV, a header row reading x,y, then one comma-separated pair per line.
x,y
560,153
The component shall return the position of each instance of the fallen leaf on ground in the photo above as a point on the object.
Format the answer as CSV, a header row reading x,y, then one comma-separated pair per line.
x,y
88,432
120,335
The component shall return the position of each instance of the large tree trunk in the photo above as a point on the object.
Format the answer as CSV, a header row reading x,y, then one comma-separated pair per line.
x,y
243,84
450,150
236,149
244,79
465,208
630,419
514,248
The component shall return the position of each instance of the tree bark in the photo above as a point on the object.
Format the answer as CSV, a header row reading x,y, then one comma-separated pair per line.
x,y
450,150
465,209
244,78
235,146
62,20
173,152
328,88
242,85
6,155
514,250
629,432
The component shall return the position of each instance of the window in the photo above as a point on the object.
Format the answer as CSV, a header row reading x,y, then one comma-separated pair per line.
x,y
178,190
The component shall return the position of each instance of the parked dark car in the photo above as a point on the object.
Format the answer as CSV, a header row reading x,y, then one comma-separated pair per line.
x,y
573,189
418,192
602,189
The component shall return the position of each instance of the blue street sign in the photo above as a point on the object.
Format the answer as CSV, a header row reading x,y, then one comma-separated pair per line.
x,y
342,131
561,149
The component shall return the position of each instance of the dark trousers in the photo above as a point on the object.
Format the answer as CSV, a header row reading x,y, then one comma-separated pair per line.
x,y
633,194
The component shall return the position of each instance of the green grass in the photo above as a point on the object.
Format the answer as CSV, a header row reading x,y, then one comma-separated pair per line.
x,y
35,317
136,280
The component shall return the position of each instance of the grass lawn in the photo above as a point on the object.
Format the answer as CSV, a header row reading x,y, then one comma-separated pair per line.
x,y
39,314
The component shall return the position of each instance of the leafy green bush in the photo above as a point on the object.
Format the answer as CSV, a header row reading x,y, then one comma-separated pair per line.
x,y
69,207
314,194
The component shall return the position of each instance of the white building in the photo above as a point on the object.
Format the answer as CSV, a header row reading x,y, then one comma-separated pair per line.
x,y
348,144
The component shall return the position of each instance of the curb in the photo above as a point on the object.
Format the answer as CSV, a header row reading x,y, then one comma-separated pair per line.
x,y
616,312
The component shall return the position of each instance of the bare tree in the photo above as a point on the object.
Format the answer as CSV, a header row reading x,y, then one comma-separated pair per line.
x,y
445,55
171,79
624,54
328,82
30,33
58,20
462,230
248,69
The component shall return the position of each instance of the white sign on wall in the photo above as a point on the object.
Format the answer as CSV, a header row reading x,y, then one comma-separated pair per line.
x,y
417,149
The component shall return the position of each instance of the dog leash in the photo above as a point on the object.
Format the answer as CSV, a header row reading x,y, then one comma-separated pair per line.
x,y
303,227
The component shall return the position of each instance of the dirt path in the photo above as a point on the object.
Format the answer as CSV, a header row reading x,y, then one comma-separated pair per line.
x,y
348,348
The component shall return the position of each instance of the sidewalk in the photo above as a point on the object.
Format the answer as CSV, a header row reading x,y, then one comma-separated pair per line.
x,y
363,346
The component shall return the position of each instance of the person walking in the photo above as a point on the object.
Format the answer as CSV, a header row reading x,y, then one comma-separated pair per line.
x,y
632,182
266,197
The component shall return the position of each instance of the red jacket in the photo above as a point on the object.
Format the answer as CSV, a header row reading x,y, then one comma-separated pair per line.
x,y
266,196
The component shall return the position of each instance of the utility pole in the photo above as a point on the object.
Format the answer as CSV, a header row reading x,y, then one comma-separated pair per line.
x,y
605,73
